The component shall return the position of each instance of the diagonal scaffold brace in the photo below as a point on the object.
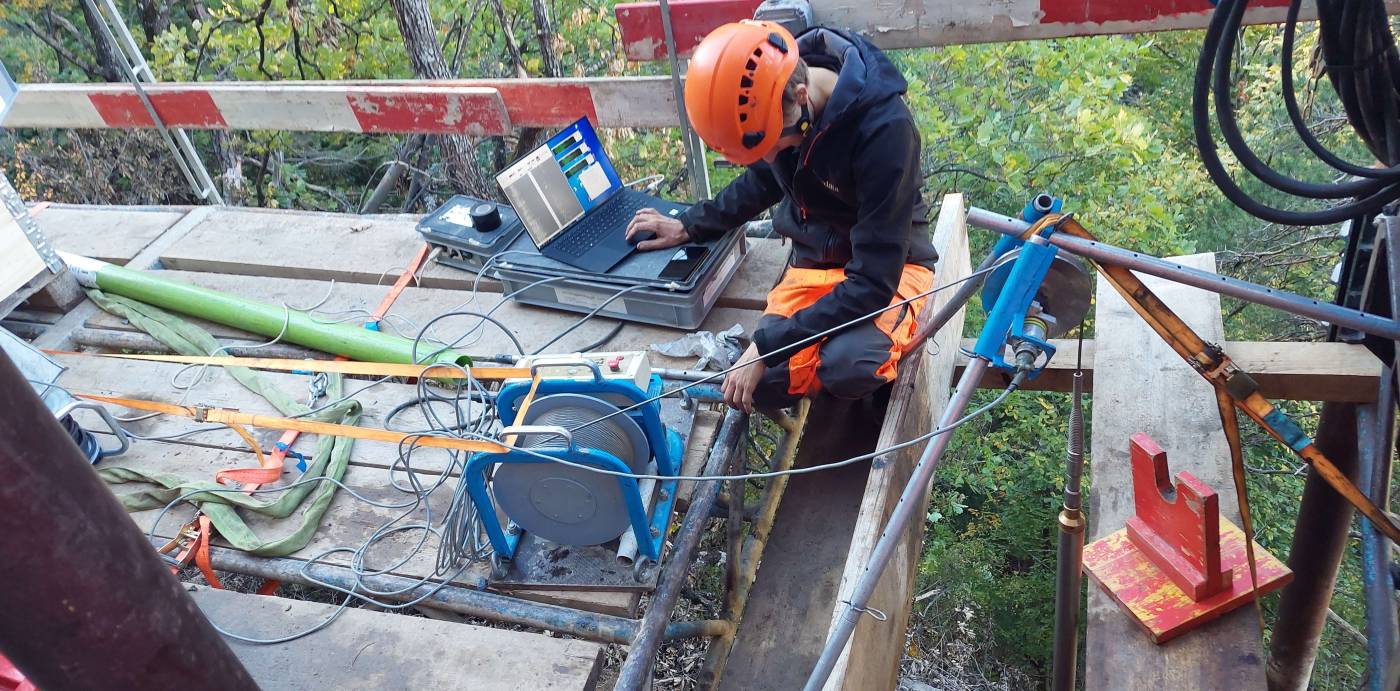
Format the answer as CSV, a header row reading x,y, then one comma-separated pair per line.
x,y
1235,389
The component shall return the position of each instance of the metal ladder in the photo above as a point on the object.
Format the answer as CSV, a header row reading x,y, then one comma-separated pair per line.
x,y
138,71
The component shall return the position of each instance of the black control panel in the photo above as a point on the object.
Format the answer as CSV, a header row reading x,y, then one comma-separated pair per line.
x,y
474,226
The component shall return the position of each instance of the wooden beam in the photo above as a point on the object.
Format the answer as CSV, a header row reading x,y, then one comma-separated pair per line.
x,y
871,659
476,107
1329,372
925,23
1144,386
367,649
642,34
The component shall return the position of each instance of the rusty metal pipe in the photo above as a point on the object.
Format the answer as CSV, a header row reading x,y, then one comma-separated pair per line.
x,y
87,603
1319,540
604,628
636,670
717,655
1375,433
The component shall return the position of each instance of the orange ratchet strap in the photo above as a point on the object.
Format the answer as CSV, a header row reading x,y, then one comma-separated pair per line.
x,y
234,418
378,369
1233,385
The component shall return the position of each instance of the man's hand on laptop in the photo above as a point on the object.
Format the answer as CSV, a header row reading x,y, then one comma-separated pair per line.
x,y
657,230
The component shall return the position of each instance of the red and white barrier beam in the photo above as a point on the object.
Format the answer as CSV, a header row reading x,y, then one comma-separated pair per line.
x,y
922,23
473,107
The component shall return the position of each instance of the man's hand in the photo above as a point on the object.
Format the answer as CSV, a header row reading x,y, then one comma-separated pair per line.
x,y
740,384
667,231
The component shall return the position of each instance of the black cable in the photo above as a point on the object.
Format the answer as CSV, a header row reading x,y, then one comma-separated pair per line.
x,y
607,338
462,313
569,329
1229,127
1295,114
1216,55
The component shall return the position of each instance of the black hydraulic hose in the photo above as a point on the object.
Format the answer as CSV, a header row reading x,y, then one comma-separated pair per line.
x,y
1210,156
1230,130
1295,114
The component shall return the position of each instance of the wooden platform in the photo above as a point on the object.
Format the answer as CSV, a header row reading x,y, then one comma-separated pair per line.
x,y
375,650
265,255
1143,386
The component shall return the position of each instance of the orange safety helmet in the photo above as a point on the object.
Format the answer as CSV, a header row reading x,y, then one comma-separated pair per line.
x,y
734,88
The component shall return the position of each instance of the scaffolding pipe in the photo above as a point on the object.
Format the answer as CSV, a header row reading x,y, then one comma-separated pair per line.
x,y
603,628
71,620
910,502
717,656
1215,283
1319,541
1375,428
636,671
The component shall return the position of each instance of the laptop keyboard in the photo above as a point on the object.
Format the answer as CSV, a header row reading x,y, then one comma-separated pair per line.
x,y
597,224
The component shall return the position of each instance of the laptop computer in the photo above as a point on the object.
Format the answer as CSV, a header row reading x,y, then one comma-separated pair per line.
x,y
572,202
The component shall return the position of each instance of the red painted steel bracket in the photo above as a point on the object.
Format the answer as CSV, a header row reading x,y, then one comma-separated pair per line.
x,y
1177,564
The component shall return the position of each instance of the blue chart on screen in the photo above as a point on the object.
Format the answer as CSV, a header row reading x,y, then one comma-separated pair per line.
x,y
585,164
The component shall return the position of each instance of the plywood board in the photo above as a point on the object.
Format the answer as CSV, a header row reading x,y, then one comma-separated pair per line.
x,y
113,235
1144,386
375,249
376,650
872,657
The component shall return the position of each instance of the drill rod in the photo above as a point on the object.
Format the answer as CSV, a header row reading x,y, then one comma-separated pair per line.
x,y
1070,558
1215,283
910,504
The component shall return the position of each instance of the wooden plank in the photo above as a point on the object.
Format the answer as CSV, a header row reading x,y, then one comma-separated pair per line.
x,y
532,325
348,522
1301,371
340,106
57,337
377,650
1145,387
937,22
763,266
321,246
111,235
789,611
643,37
871,659
259,242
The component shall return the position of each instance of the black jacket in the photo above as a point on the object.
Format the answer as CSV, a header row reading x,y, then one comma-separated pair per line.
x,y
850,196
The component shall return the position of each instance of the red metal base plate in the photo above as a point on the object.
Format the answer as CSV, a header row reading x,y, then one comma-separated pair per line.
x,y
1157,604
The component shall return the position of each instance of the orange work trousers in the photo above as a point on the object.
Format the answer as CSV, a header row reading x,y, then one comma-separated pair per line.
x,y
853,363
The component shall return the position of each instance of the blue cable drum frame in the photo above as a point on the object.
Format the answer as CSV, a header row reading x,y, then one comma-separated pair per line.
x,y
667,449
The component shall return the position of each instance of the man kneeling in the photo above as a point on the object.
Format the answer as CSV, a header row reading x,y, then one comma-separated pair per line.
x,y
821,125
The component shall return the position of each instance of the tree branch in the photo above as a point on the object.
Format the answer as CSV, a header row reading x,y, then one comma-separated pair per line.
x,y
61,52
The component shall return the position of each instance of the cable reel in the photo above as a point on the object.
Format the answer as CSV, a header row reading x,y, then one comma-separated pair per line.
x,y
577,420
1043,294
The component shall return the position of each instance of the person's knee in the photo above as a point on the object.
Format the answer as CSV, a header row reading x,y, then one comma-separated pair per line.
x,y
851,375
852,382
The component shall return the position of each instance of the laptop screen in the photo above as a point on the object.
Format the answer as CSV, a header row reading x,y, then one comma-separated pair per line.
x,y
559,181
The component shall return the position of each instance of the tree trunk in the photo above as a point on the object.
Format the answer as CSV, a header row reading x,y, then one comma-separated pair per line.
x,y
155,18
227,153
544,33
103,49
420,40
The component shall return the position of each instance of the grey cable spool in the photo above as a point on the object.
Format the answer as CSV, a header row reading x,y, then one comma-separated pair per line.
x,y
563,504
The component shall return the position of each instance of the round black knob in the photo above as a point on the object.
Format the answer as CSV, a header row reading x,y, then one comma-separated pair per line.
x,y
486,217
